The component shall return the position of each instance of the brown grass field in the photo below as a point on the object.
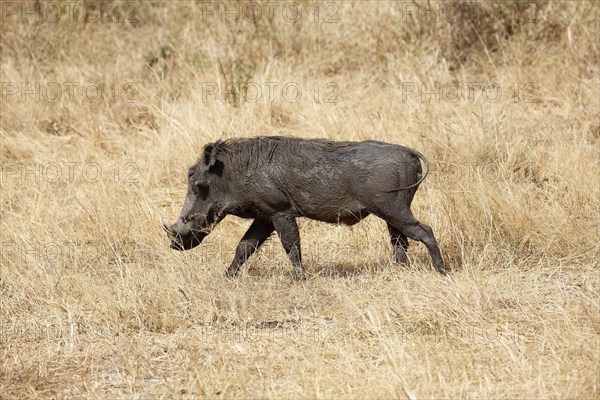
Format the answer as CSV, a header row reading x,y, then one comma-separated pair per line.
x,y
105,105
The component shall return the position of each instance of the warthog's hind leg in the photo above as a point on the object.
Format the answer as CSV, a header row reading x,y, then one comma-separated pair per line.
x,y
258,232
406,223
287,228
423,233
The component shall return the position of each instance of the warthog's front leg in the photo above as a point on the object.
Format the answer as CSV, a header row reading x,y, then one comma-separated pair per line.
x,y
287,228
400,244
258,232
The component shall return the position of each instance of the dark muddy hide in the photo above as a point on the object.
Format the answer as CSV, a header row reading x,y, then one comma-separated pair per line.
x,y
274,180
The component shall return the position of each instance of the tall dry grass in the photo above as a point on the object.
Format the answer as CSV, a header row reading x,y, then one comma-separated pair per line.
x,y
94,304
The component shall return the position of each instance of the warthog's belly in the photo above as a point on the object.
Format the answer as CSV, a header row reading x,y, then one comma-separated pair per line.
x,y
346,217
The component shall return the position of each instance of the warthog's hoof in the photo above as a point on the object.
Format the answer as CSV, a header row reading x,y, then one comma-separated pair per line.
x,y
232,273
300,275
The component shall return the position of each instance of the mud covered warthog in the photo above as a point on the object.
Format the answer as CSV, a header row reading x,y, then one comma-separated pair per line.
x,y
274,180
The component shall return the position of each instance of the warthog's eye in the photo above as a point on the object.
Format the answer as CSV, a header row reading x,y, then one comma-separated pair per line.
x,y
201,190
191,173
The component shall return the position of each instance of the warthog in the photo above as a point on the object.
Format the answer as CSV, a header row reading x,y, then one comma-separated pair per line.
x,y
274,180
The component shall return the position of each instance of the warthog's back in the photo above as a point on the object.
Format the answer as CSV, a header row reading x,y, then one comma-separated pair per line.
x,y
325,180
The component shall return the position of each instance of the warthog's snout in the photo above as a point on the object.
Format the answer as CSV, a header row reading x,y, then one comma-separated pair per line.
x,y
182,236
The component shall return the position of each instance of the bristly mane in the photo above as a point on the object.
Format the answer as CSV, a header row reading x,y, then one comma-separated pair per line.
x,y
245,154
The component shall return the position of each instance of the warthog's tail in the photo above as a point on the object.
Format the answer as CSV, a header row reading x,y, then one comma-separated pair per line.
x,y
417,183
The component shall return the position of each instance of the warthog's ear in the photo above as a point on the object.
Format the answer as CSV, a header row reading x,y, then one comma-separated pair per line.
x,y
210,155
209,159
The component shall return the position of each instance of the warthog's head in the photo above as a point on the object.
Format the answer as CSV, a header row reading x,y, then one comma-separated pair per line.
x,y
203,203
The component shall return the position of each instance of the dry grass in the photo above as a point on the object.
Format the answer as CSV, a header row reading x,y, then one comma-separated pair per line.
x,y
93,303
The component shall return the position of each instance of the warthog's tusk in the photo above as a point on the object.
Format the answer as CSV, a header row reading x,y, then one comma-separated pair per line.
x,y
166,228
